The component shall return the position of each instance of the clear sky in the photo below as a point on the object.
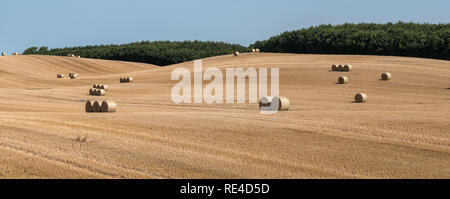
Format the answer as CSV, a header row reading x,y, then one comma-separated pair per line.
x,y
63,23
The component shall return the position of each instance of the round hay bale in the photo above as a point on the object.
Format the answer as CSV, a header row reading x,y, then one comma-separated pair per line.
x,y
60,76
236,54
386,76
108,106
360,97
130,79
96,107
89,106
265,101
257,50
73,75
334,67
340,67
284,103
104,87
347,68
95,86
91,91
3,54
253,50
343,80
101,92
121,80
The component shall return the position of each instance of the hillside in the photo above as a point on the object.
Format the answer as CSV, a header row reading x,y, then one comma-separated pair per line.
x,y
401,132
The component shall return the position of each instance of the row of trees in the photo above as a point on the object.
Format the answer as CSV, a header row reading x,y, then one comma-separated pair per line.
x,y
158,52
400,39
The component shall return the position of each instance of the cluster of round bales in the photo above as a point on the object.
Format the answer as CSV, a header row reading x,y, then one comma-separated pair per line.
x,y
254,50
71,75
359,97
4,54
98,90
126,79
103,106
73,55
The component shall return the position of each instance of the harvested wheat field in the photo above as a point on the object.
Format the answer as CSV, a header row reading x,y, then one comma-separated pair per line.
x,y
402,131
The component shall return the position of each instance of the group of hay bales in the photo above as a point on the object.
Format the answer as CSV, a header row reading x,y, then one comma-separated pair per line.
x,y
341,68
71,75
359,97
103,107
73,55
126,79
282,103
255,50
14,53
98,90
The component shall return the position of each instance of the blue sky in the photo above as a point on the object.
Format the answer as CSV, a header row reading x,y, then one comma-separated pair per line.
x,y
62,23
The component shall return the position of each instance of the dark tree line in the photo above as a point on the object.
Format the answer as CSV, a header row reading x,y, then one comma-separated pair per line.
x,y
400,39
158,52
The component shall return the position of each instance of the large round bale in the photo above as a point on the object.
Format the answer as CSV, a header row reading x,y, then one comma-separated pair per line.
x,y
122,80
257,50
334,67
129,79
108,106
236,54
89,106
253,50
347,68
360,97
340,67
343,80
96,107
104,87
386,76
265,101
59,76
91,91
95,86
3,54
283,102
